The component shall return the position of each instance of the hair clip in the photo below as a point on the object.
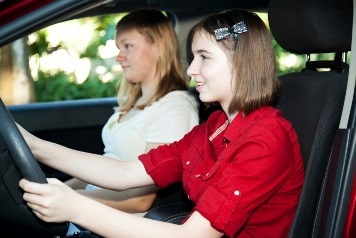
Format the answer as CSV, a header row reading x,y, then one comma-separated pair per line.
x,y
223,32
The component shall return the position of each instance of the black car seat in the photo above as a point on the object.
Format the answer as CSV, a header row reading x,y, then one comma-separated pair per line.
x,y
313,98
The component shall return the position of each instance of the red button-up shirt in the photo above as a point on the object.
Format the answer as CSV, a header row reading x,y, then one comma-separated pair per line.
x,y
244,177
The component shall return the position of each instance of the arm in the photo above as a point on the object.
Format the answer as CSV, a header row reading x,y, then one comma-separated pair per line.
x,y
75,183
96,169
55,202
131,200
166,122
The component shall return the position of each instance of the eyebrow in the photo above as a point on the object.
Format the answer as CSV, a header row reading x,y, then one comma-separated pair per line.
x,y
123,40
202,51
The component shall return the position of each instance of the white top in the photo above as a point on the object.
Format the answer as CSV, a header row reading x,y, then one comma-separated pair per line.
x,y
165,121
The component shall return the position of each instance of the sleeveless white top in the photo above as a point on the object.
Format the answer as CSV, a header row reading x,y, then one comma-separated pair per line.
x,y
165,121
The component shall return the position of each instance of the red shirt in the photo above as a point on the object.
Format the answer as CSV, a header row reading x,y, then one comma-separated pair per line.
x,y
244,177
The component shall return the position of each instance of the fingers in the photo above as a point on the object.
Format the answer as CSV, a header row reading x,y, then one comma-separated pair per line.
x,y
31,187
39,211
47,201
33,193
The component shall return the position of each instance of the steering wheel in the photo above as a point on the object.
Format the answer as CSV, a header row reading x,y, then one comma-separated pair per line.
x,y
16,162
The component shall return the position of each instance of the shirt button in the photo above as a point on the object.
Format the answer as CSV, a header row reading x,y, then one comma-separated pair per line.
x,y
237,192
187,163
197,175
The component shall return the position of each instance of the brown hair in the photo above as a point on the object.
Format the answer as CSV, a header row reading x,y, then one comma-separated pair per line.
x,y
252,57
157,29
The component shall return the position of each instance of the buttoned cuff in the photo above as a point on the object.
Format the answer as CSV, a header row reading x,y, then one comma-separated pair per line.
x,y
222,211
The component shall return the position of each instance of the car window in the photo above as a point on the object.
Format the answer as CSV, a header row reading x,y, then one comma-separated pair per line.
x,y
69,60
76,60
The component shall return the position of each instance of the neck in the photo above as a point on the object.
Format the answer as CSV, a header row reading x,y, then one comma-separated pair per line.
x,y
147,93
149,87
230,116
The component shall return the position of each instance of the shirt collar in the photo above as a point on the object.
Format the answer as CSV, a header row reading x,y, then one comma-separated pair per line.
x,y
239,123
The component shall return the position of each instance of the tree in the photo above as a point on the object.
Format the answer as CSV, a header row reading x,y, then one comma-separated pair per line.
x,y
16,84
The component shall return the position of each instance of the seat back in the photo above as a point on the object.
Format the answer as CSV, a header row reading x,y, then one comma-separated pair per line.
x,y
313,98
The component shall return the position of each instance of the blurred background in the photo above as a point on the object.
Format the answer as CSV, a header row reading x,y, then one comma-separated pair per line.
x,y
76,60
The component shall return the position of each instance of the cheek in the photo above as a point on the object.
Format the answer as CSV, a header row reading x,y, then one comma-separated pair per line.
x,y
216,73
147,57
208,72
220,81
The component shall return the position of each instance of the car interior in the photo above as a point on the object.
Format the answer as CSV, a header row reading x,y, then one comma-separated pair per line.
x,y
315,123
312,99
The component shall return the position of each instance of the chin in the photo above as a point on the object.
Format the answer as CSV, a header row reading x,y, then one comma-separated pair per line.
x,y
206,99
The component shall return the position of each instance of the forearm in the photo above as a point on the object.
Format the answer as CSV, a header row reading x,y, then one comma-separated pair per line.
x,y
132,200
75,183
91,168
120,224
56,202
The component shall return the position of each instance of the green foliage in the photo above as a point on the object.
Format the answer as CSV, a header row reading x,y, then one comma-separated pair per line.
x,y
55,84
104,30
61,86
41,44
282,55
61,83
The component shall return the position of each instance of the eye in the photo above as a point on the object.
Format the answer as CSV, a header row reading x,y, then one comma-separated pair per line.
x,y
204,57
128,46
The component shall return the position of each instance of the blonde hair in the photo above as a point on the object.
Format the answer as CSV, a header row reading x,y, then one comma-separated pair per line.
x,y
157,29
252,57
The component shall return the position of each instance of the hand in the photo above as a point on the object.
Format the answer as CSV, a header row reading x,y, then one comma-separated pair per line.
x,y
52,202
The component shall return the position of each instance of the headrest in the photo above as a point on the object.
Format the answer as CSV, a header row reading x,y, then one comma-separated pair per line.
x,y
311,26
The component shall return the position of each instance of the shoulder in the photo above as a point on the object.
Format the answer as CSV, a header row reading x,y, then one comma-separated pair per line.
x,y
178,106
262,123
178,94
271,123
176,98
273,118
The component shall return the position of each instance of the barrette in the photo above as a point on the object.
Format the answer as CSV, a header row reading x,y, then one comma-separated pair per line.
x,y
223,32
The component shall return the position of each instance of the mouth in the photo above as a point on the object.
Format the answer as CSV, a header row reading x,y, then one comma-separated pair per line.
x,y
200,84
124,66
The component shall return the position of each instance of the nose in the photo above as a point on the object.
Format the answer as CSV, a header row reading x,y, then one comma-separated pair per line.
x,y
192,69
120,57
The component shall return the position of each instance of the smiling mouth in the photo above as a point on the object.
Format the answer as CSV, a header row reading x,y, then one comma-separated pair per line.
x,y
200,84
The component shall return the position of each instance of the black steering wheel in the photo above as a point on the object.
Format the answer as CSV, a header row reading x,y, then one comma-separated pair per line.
x,y
16,162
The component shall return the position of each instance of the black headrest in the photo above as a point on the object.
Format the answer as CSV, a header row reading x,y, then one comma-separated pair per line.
x,y
311,26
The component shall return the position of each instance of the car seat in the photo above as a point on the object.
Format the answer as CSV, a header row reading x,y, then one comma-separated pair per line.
x,y
313,98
